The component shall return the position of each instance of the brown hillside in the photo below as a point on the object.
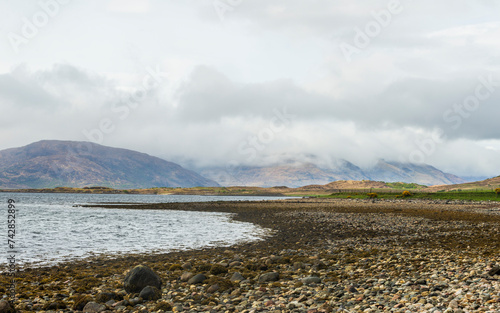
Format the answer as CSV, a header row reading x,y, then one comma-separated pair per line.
x,y
344,184
490,183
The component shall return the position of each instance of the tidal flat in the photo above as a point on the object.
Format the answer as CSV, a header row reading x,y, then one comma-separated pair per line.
x,y
320,255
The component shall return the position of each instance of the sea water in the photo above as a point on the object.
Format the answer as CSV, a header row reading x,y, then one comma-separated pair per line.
x,y
52,228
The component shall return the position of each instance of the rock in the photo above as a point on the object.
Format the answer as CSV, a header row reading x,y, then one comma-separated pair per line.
x,y
135,301
186,276
453,304
164,306
94,307
187,266
319,266
52,306
104,297
123,303
275,259
218,269
494,271
197,279
237,277
5,307
150,293
267,277
311,280
213,288
298,266
235,264
80,302
140,277
110,303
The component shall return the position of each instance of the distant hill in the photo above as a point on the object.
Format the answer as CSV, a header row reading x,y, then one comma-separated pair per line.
x,y
423,174
290,175
301,174
51,163
491,183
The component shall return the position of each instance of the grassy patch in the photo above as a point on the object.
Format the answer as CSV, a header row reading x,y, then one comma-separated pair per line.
x,y
478,195
405,186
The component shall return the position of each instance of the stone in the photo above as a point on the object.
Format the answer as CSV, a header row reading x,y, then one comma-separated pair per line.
x,y
53,306
5,307
197,279
135,301
268,277
297,266
81,302
453,304
187,266
237,277
213,288
494,271
140,277
311,280
218,269
186,276
94,307
150,293
104,297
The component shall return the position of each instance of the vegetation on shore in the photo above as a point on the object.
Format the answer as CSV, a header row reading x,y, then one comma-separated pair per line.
x,y
476,195
480,191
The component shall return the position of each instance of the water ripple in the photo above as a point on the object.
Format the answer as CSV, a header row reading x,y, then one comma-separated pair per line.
x,y
49,229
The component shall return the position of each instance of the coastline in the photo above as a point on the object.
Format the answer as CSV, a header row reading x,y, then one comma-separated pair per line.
x,y
330,254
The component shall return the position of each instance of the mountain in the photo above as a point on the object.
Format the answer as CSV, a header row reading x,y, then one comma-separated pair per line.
x,y
52,163
411,173
301,174
290,175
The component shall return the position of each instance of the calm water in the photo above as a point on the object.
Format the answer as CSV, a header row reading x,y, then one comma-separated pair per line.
x,y
49,229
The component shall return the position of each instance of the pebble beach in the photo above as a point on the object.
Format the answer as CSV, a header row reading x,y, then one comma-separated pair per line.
x,y
319,255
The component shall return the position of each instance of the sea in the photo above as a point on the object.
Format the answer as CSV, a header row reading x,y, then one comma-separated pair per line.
x,y
52,228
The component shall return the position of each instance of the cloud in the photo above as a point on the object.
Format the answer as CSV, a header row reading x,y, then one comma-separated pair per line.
x,y
450,105
415,80
129,6
218,121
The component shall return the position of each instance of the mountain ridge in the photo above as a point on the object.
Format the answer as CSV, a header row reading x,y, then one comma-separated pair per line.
x,y
51,163
302,174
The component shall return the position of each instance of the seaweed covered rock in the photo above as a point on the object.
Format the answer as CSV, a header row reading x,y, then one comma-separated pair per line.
x,y
140,277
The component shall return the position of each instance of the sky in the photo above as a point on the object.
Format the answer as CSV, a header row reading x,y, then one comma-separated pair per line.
x,y
258,82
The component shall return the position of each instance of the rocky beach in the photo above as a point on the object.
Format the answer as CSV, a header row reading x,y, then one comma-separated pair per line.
x,y
320,255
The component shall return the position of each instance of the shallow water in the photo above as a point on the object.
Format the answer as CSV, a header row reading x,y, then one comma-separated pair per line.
x,y
51,229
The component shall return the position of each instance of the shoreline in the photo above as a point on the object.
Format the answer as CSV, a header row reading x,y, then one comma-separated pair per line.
x,y
363,256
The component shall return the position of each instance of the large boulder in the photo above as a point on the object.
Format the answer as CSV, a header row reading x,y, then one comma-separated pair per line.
x,y
140,277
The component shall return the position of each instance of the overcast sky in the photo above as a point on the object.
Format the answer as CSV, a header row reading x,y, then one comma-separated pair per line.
x,y
214,82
